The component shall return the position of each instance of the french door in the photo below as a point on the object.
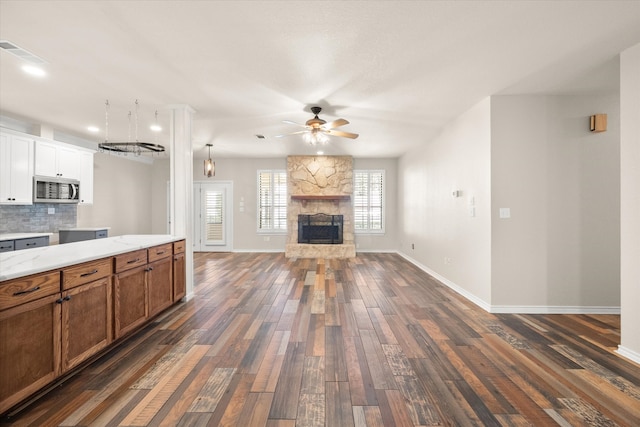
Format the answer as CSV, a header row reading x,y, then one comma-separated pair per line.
x,y
213,217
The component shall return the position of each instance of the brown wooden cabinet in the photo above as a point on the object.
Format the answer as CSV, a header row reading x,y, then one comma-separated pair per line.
x,y
130,300
29,348
87,310
159,281
179,271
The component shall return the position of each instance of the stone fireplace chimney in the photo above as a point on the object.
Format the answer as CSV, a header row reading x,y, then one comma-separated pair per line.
x,y
320,185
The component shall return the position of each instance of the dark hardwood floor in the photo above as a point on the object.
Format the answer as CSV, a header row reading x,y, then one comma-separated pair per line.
x,y
369,341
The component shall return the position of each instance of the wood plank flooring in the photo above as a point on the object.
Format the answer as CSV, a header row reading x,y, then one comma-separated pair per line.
x,y
371,341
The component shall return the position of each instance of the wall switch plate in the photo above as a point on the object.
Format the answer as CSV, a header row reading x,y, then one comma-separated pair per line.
x,y
51,211
505,213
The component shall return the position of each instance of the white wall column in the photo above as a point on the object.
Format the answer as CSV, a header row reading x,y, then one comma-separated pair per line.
x,y
630,203
181,183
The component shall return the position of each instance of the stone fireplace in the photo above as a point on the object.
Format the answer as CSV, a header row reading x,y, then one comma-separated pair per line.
x,y
320,185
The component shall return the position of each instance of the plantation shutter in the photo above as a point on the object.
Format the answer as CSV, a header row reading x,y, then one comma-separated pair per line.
x,y
272,200
368,199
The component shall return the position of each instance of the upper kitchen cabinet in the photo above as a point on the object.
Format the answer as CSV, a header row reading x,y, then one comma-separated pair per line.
x,y
16,169
57,160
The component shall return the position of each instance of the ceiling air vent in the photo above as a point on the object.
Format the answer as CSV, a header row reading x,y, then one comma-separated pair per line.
x,y
21,53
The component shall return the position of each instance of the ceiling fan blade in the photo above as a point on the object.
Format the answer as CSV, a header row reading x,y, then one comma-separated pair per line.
x,y
292,133
342,134
334,124
289,122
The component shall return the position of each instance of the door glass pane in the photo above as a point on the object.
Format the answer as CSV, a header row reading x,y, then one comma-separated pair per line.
x,y
213,211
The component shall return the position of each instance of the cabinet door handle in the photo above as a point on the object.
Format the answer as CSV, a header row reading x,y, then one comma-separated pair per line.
x,y
131,261
67,298
26,292
30,244
59,301
159,252
149,269
89,273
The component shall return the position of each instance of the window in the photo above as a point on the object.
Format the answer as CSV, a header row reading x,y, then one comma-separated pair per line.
x,y
272,200
368,201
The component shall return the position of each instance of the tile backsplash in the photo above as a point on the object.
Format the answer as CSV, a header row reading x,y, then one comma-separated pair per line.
x,y
36,218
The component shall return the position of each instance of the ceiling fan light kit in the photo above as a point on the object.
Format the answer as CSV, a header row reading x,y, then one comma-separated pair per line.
x,y
317,130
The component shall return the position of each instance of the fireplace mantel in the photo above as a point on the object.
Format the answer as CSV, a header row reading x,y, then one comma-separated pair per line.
x,y
336,198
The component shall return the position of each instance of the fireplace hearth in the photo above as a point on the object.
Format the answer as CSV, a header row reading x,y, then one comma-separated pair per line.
x,y
320,229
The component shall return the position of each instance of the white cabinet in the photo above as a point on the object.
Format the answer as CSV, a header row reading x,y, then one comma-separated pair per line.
x,y
16,169
57,160
86,177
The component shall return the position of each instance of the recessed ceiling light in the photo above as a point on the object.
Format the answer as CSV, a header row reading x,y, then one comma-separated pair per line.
x,y
155,128
93,129
320,153
33,70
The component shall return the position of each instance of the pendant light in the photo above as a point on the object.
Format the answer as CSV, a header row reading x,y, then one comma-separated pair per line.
x,y
209,165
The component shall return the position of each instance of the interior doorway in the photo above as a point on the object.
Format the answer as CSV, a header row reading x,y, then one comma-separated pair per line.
x,y
213,216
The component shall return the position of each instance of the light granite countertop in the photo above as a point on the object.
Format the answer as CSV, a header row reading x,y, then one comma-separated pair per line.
x,y
85,229
18,236
24,263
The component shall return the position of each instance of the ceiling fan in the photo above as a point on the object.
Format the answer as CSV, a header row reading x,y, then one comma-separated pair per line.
x,y
316,129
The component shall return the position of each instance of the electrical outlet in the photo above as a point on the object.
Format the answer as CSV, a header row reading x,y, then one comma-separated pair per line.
x,y
267,238
51,211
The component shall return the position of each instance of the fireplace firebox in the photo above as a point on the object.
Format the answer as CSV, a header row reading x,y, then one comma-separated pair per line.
x,y
320,229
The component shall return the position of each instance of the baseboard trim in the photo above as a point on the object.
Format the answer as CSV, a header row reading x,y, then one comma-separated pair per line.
x,y
448,283
257,251
553,309
634,356
512,309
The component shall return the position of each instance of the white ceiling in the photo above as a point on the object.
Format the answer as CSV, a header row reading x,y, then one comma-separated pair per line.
x,y
398,71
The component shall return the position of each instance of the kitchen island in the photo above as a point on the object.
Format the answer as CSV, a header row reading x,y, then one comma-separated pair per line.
x,y
62,305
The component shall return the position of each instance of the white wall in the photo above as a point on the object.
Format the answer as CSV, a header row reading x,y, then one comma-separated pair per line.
x,y
448,241
561,182
122,194
159,199
630,201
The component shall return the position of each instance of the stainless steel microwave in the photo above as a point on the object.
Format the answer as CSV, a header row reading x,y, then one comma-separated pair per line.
x,y
55,190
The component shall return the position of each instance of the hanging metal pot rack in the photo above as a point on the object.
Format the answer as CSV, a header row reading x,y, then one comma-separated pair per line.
x,y
135,146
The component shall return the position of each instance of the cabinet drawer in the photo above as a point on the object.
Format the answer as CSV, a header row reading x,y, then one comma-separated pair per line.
x,y
159,252
130,260
25,289
34,242
178,247
6,246
85,273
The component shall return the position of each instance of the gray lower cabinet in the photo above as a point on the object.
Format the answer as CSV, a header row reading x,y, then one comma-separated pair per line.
x,y
7,245
29,243
68,236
